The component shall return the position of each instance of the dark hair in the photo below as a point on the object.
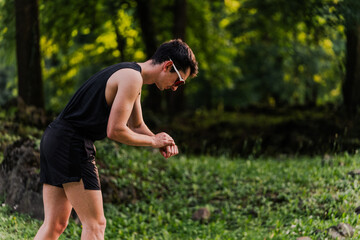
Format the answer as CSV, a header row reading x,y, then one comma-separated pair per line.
x,y
180,53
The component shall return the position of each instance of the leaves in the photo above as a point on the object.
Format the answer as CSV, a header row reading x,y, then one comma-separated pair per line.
x,y
252,199
272,52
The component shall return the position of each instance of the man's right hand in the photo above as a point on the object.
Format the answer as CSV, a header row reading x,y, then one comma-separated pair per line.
x,y
162,139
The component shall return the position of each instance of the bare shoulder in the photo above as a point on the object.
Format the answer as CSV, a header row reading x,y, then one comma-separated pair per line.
x,y
126,76
125,81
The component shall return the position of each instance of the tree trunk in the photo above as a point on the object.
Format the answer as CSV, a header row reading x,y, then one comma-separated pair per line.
x,y
153,100
28,53
176,100
113,8
351,86
120,40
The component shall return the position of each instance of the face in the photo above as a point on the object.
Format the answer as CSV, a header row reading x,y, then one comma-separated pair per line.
x,y
173,79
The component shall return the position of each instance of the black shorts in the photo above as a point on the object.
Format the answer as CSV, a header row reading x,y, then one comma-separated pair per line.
x,y
66,156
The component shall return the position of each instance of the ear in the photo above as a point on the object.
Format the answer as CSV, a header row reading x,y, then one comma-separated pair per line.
x,y
167,65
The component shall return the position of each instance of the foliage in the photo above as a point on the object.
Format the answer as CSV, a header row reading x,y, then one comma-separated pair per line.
x,y
263,131
12,129
77,46
7,52
289,54
249,52
215,53
272,198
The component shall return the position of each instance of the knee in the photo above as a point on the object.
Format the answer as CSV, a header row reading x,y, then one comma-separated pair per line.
x,y
55,228
96,225
60,226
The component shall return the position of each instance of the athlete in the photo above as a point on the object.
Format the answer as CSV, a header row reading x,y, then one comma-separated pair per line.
x,y
106,105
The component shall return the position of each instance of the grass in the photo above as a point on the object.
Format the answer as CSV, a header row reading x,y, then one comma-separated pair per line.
x,y
265,198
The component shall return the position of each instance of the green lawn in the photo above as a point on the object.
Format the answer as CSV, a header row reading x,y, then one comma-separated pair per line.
x,y
265,198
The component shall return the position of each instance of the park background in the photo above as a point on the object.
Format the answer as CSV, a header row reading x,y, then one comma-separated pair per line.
x,y
277,96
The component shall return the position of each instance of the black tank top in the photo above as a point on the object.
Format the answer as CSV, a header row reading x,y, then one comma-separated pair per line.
x,y
87,111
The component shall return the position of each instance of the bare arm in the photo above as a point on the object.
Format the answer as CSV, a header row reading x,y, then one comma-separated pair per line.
x,y
122,110
137,124
136,121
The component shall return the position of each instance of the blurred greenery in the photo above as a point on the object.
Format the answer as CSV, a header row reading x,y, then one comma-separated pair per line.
x,y
266,198
269,53
283,59
269,88
270,83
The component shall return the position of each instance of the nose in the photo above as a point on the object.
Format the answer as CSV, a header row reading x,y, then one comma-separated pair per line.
x,y
173,88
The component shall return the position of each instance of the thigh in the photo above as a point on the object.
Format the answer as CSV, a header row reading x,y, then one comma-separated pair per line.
x,y
58,160
88,204
57,207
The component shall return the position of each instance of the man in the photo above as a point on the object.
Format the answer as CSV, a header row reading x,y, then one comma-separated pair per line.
x,y
107,104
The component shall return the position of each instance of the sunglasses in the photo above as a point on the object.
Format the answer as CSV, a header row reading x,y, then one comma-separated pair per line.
x,y
180,81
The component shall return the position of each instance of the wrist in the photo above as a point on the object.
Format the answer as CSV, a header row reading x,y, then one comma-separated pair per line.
x,y
152,142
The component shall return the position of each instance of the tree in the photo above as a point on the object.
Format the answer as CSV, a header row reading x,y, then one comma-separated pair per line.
x,y
351,86
8,73
143,8
285,51
150,24
176,100
215,51
28,53
76,46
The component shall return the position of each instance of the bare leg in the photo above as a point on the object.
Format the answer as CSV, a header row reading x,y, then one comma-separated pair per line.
x,y
88,205
57,210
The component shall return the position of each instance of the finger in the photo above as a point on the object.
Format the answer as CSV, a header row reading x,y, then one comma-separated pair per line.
x,y
173,150
171,140
162,152
171,153
168,151
168,138
168,141
176,150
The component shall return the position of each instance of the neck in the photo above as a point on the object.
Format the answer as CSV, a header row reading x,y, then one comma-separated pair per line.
x,y
149,71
